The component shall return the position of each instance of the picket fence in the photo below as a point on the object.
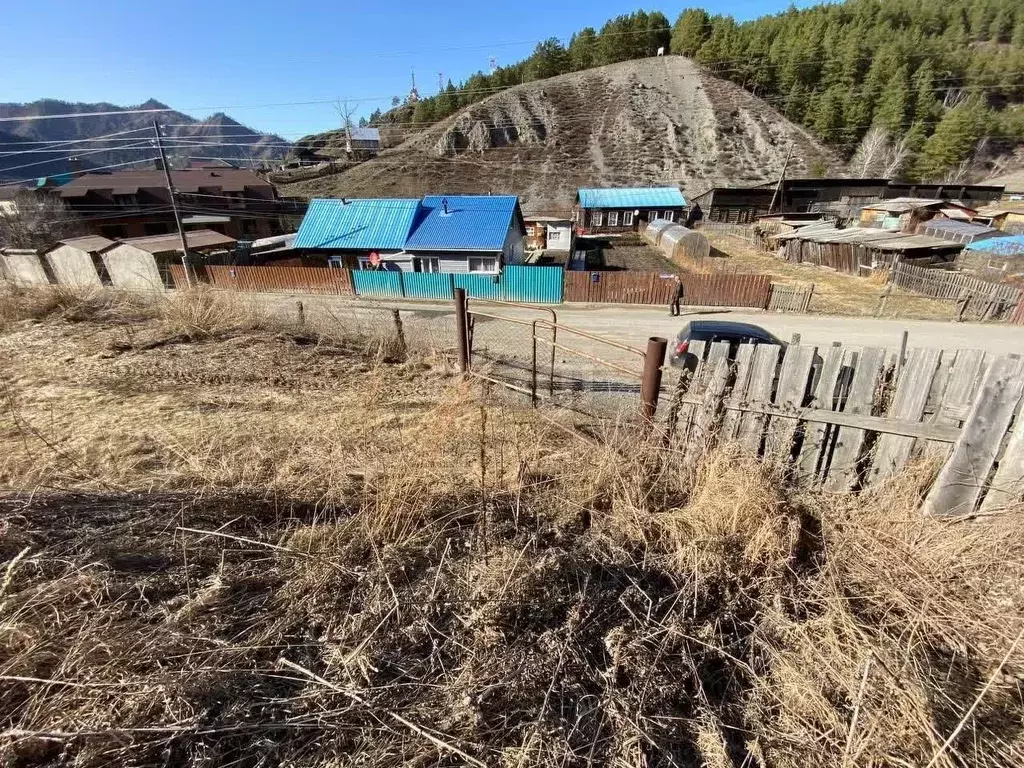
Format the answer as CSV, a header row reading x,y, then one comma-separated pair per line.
x,y
847,419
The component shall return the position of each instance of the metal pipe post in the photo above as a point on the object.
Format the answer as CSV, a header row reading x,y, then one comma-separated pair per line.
x,y
533,367
651,383
462,329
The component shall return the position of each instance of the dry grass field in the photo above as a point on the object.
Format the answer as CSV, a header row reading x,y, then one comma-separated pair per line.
x,y
225,541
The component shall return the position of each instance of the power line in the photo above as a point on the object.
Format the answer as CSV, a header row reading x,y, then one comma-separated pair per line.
x,y
79,173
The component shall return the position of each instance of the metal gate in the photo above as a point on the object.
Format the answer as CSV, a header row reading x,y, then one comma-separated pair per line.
x,y
526,349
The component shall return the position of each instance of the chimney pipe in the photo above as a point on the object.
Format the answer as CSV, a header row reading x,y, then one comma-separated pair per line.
x,y
158,164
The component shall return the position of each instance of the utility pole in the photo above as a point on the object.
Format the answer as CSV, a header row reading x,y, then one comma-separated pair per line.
x,y
778,187
174,205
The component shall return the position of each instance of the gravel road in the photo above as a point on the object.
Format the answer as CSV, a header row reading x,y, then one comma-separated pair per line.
x,y
634,324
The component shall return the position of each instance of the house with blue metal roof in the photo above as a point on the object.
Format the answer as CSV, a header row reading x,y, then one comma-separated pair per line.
x,y
359,233
441,233
468,233
622,209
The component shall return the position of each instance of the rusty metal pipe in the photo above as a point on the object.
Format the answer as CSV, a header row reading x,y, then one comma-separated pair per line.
x,y
650,385
462,329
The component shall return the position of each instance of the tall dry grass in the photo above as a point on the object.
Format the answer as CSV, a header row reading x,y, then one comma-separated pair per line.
x,y
358,581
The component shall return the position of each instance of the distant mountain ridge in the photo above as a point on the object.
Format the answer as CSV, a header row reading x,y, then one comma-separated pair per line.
x,y
217,136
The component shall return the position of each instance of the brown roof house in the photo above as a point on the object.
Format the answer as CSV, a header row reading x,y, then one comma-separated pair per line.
x,y
135,203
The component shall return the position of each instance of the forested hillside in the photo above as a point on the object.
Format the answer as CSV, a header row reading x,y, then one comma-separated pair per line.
x,y
938,86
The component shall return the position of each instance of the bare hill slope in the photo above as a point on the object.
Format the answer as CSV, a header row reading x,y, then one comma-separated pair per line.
x,y
657,120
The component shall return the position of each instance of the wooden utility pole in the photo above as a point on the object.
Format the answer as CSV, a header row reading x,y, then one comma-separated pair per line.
x,y
174,205
778,187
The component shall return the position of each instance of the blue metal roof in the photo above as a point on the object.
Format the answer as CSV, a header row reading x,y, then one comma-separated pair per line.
x,y
470,223
631,197
357,224
1012,245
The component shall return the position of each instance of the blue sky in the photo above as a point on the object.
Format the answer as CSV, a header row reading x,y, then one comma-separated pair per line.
x,y
237,56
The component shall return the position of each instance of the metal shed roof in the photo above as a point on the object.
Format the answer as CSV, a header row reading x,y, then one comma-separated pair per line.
x,y
200,239
464,223
368,224
1012,245
88,243
631,197
879,239
962,230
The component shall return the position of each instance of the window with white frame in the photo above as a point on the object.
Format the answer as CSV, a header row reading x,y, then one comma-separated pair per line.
x,y
365,263
669,216
553,235
429,264
627,218
482,264
613,218
597,219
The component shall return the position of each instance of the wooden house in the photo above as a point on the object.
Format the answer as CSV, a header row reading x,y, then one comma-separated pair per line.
x,y
619,210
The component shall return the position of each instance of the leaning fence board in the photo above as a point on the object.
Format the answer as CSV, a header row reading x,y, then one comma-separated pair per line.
x,y
912,389
793,380
716,375
962,480
759,390
744,365
815,440
842,471
717,353
955,399
1007,485
684,414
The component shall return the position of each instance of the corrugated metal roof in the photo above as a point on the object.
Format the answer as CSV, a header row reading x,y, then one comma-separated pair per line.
x,y
1012,245
902,204
958,227
631,197
368,224
89,243
878,239
464,223
201,238
186,181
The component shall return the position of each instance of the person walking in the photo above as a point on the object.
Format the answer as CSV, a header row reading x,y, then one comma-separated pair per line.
x,y
677,297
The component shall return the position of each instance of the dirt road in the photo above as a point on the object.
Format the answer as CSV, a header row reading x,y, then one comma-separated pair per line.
x,y
634,324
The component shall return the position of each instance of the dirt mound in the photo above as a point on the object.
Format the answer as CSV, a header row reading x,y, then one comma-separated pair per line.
x,y
658,120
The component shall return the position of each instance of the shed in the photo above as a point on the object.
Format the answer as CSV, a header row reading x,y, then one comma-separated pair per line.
x,y
684,246
23,266
365,141
856,249
1005,254
77,261
133,268
611,210
905,214
198,241
549,233
1007,217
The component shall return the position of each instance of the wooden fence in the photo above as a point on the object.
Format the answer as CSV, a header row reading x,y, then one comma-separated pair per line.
x,y
790,298
944,284
271,279
651,288
1017,318
848,419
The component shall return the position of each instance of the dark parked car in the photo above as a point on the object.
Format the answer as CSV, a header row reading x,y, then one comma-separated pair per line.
x,y
710,331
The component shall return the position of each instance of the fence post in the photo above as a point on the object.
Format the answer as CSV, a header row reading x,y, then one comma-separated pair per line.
x,y
533,367
302,314
462,329
650,385
403,348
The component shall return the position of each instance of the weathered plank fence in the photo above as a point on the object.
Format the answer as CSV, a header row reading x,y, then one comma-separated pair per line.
x,y
790,298
849,419
999,300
